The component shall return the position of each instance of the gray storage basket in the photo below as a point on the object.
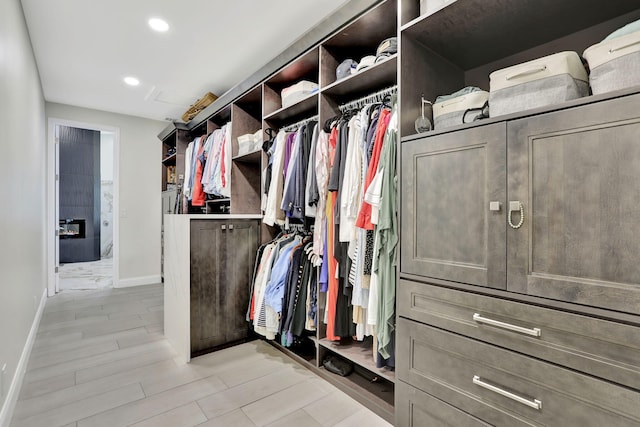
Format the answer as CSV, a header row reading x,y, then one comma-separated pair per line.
x,y
455,118
614,63
536,94
545,81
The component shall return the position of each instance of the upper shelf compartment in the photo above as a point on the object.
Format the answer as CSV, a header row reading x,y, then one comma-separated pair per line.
x,y
470,33
382,74
304,68
357,40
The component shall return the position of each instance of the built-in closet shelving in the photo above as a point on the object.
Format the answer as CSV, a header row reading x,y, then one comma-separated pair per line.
x,y
584,351
454,361
260,107
177,139
462,43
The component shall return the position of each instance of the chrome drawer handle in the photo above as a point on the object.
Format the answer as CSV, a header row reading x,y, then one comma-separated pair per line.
x,y
535,403
536,332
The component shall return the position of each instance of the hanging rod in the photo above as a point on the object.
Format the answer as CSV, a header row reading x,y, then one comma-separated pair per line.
x,y
295,126
371,98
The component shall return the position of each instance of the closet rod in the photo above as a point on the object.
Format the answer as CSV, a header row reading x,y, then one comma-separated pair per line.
x,y
374,97
295,126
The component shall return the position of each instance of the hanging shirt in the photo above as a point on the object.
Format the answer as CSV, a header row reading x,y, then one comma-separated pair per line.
x,y
272,213
351,185
198,197
311,186
387,238
322,180
292,171
186,185
364,217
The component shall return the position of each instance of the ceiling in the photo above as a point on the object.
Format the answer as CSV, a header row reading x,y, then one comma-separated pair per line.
x,y
84,49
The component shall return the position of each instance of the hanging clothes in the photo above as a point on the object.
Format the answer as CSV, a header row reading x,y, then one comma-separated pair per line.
x,y
342,174
283,299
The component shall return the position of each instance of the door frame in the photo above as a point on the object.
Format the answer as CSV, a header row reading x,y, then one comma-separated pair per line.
x,y
52,202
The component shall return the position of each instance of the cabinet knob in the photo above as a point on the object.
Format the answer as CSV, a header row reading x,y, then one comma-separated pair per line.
x,y
494,206
224,227
230,226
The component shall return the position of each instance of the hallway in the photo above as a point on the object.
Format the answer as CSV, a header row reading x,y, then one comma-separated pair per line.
x,y
100,359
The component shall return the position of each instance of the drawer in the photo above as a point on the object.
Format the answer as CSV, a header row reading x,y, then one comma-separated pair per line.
x,y
602,348
491,383
415,408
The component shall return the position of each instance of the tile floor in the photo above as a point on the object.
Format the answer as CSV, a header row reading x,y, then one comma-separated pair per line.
x,y
87,275
100,359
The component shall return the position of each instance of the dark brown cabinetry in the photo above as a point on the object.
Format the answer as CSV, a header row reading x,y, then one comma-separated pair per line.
x,y
448,228
506,388
576,173
519,294
572,173
222,259
546,215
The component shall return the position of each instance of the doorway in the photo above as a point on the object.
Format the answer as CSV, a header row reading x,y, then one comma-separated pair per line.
x,y
83,247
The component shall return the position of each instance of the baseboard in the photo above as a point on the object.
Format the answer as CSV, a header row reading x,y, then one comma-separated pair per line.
x,y
138,281
16,384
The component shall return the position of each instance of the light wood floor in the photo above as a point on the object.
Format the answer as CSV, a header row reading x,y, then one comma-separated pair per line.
x,y
100,359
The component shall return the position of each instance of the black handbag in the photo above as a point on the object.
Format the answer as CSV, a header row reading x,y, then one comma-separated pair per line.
x,y
337,366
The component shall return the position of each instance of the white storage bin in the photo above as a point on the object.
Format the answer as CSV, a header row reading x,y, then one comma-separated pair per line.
x,y
428,7
451,112
614,63
297,92
544,81
245,144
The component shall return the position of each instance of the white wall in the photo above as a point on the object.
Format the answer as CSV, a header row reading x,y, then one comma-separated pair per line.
x,y
23,193
106,156
106,194
140,206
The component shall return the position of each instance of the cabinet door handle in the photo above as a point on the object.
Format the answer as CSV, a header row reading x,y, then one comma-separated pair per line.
x,y
223,226
515,207
535,403
230,226
536,332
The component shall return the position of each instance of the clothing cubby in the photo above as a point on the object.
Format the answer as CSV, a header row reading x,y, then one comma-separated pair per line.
x,y
246,167
178,140
583,327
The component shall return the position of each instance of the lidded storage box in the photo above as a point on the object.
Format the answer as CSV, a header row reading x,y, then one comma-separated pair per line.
x,y
297,92
544,81
615,62
459,107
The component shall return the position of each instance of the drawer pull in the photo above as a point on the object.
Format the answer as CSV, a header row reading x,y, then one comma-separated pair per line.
x,y
536,332
535,403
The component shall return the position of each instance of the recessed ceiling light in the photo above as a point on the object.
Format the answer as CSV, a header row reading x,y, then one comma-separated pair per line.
x,y
131,81
158,24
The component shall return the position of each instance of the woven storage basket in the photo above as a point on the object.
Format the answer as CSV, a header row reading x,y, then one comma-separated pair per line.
x,y
199,105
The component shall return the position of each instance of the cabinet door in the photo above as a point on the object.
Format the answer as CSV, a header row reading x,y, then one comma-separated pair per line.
x,y
207,289
242,238
448,229
577,175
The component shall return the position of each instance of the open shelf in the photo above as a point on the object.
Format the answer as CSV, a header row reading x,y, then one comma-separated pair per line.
x,y
376,396
591,99
306,107
378,76
170,160
252,157
471,33
360,354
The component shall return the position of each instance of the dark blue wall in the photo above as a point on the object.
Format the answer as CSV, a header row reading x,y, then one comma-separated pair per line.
x,y
80,191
